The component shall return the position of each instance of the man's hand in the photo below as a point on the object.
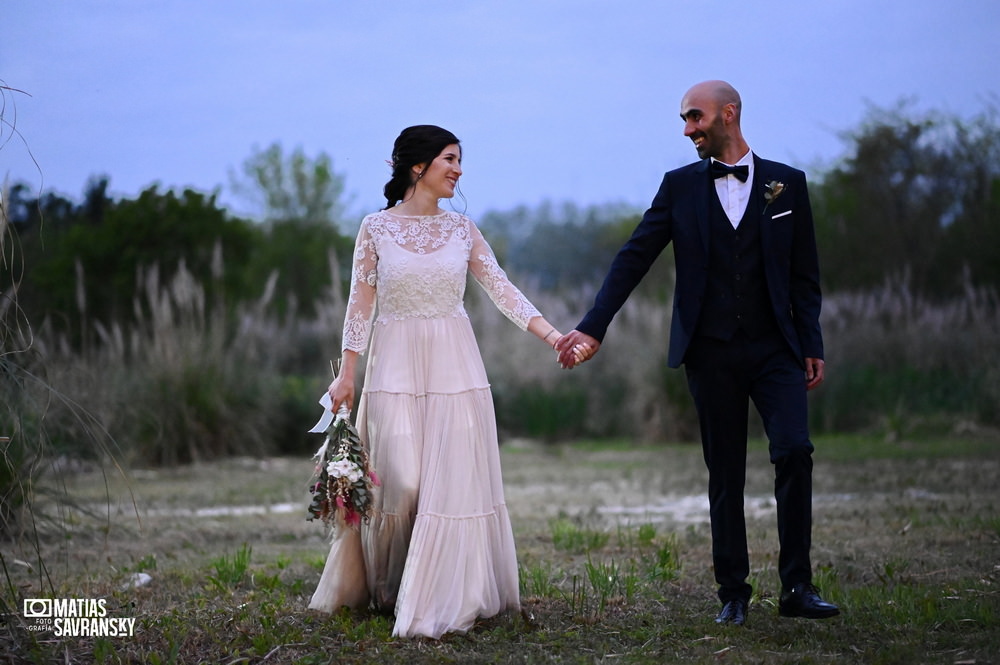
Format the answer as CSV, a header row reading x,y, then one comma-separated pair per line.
x,y
814,372
576,347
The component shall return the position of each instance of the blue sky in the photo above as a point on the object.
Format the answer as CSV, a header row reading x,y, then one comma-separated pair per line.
x,y
561,100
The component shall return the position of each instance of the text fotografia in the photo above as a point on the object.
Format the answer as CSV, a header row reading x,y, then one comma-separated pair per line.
x,y
76,617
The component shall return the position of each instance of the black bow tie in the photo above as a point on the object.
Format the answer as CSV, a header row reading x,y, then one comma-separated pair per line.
x,y
720,170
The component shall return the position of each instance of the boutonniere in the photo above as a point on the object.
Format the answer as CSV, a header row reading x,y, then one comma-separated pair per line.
x,y
773,190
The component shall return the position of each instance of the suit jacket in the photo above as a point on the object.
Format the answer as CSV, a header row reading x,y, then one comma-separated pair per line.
x,y
680,213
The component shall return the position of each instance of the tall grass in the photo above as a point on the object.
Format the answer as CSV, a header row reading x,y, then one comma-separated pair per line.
x,y
33,496
191,380
194,380
900,363
895,363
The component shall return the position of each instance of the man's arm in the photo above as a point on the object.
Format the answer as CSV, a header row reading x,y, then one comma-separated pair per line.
x,y
630,265
805,294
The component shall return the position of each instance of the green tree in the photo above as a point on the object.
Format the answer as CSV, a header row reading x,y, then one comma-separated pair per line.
x,y
972,233
83,262
301,202
915,200
588,238
291,188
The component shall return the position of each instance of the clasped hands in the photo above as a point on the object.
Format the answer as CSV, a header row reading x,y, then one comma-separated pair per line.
x,y
574,348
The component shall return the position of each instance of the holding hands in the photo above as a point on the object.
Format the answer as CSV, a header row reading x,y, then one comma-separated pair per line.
x,y
575,347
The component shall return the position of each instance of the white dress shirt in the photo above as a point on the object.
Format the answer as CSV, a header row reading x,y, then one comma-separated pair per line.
x,y
733,194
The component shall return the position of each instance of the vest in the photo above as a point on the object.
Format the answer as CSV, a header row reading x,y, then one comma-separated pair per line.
x,y
736,296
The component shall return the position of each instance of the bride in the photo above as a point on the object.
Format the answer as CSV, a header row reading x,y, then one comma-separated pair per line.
x,y
438,550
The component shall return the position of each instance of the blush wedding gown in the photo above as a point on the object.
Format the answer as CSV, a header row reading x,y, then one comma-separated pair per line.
x,y
438,549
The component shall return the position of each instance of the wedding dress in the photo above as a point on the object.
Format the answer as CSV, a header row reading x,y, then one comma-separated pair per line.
x,y
439,548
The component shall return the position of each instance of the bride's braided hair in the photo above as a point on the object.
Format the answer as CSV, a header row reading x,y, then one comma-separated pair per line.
x,y
415,145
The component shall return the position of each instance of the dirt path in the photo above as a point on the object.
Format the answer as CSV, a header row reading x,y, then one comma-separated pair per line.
x,y
210,509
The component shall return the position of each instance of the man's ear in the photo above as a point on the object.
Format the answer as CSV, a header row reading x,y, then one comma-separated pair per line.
x,y
729,112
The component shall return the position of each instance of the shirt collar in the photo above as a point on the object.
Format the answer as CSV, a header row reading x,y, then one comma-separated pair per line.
x,y
746,159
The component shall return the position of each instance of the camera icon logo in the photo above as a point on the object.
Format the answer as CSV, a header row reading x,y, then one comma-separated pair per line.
x,y
37,608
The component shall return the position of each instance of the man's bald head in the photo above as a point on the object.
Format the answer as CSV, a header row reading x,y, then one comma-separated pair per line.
x,y
719,93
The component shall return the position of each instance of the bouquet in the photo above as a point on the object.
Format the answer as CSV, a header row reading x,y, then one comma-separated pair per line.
x,y
342,482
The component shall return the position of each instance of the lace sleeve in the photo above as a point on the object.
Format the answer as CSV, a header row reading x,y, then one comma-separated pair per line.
x,y
507,297
361,302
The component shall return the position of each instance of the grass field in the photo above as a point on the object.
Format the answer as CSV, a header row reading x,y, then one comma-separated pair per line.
x,y
613,545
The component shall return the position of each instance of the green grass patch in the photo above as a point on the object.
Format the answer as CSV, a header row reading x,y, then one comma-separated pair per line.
x,y
230,571
907,544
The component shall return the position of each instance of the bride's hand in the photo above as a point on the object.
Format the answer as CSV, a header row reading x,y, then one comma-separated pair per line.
x,y
342,392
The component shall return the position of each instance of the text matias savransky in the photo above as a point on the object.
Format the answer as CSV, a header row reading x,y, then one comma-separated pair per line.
x,y
77,617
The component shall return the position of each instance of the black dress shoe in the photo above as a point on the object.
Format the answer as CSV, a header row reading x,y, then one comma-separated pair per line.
x,y
733,612
803,600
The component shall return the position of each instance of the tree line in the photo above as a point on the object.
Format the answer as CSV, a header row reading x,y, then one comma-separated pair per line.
x,y
916,197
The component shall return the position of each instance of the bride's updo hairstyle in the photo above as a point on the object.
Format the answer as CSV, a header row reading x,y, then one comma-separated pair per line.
x,y
415,145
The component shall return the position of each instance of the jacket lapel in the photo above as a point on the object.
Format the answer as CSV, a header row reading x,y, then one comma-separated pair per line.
x,y
702,191
757,200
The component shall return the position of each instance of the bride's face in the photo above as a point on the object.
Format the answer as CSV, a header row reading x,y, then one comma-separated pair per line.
x,y
442,174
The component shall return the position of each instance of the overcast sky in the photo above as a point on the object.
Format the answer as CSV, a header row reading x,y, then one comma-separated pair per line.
x,y
564,100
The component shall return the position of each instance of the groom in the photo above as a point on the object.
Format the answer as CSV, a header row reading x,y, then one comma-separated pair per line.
x,y
745,326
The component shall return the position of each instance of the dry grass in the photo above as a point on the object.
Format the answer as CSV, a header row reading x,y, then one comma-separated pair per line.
x,y
191,380
906,539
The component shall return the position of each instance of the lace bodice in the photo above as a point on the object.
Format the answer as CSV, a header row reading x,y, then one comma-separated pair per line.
x,y
416,267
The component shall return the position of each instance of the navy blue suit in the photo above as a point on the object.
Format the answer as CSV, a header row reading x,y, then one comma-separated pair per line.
x,y
745,316
680,213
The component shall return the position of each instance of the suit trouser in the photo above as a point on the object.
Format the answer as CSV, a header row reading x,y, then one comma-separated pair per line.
x,y
724,376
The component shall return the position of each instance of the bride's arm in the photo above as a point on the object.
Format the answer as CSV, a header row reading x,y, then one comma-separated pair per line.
x,y
358,319
544,330
507,297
